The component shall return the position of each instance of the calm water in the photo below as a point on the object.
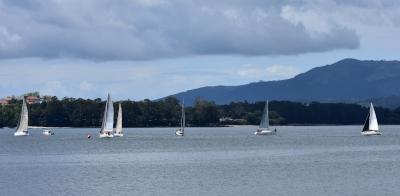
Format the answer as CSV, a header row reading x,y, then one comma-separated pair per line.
x,y
333,160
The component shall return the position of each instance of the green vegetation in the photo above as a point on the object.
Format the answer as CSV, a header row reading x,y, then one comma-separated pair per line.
x,y
71,112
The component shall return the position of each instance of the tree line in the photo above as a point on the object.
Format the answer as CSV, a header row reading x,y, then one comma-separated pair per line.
x,y
77,112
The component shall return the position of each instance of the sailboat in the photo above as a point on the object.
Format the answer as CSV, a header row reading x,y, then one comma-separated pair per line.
x,y
22,128
371,126
264,128
181,130
118,127
108,120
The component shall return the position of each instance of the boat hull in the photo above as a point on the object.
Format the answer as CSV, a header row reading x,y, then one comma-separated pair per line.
x,y
47,132
21,134
371,133
118,134
179,133
265,132
106,135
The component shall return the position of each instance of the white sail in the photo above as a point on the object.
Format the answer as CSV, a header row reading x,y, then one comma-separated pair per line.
x,y
118,128
373,121
23,120
108,117
265,117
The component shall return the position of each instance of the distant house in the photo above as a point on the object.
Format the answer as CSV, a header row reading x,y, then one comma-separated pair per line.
x,y
4,102
32,99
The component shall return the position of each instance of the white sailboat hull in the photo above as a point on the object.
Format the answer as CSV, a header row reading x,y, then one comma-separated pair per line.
x,y
118,134
265,132
370,133
21,133
179,132
106,135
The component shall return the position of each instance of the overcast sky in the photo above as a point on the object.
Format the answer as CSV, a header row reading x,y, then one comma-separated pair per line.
x,y
140,49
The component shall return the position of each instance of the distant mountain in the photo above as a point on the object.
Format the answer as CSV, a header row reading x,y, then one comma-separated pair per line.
x,y
348,79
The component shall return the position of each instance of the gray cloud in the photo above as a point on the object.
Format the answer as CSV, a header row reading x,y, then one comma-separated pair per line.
x,y
151,29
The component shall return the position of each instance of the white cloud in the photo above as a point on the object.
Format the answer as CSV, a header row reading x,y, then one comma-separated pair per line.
x,y
310,19
368,18
281,71
249,71
267,73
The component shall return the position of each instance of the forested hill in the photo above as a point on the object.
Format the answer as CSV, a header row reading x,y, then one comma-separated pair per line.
x,y
346,80
70,112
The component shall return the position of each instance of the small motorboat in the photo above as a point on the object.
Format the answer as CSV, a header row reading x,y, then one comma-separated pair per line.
x,y
48,132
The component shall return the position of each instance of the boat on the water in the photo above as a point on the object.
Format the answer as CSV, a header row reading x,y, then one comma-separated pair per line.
x,y
264,128
118,128
48,132
371,126
108,120
22,128
181,131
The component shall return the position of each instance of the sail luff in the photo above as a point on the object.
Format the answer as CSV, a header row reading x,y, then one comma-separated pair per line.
x,y
118,128
265,117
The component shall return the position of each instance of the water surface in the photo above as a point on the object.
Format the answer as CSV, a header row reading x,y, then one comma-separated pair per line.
x,y
320,160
